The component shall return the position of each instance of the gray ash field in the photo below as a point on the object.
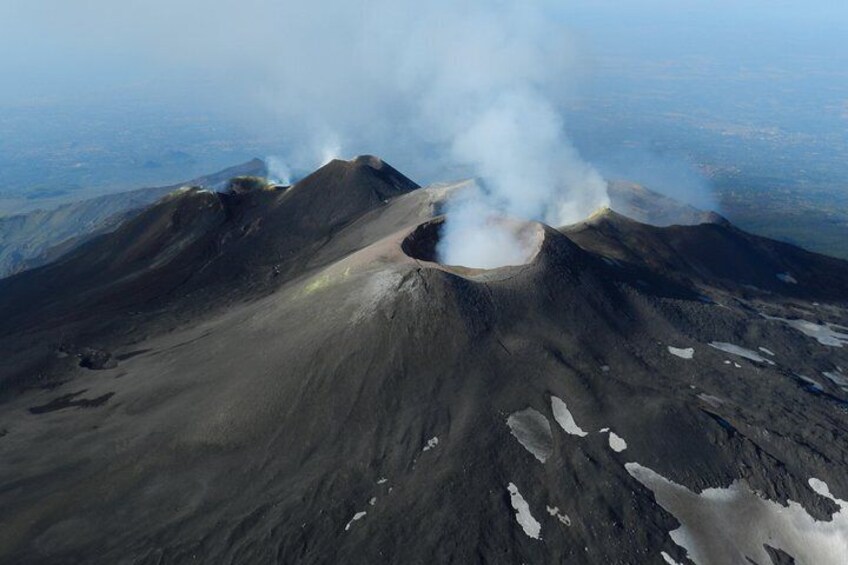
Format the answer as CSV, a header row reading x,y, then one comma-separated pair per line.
x,y
288,376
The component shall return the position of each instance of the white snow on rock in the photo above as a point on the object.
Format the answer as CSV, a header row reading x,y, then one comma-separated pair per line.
x,y
382,481
617,443
357,516
741,352
731,525
766,351
523,516
603,430
667,558
820,487
431,443
825,334
533,432
373,501
815,385
562,517
787,278
838,378
713,401
686,353
564,418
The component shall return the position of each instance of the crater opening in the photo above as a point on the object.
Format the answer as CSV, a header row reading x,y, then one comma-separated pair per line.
x,y
503,242
422,242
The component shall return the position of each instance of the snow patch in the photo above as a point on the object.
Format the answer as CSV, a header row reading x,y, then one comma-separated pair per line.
x,y
564,418
787,278
838,378
533,432
825,334
357,516
523,516
617,443
713,401
766,351
731,525
563,518
383,480
812,384
431,443
820,487
686,353
741,352
667,558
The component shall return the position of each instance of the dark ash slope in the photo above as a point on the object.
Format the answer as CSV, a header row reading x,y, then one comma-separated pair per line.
x,y
39,237
283,376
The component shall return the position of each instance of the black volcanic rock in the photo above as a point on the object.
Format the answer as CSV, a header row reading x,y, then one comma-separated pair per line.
x,y
716,254
296,380
201,241
96,359
341,190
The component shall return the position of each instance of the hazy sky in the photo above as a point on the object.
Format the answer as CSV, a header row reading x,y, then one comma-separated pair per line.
x,y
46,44
349,76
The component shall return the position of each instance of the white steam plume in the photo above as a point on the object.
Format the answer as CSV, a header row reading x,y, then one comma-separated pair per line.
x,y
531,171
470,86
489,92
278,170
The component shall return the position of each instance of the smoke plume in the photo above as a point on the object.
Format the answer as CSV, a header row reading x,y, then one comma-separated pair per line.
x,y
468,87
278,171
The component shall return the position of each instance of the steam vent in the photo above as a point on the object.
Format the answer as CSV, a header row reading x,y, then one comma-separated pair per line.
x,y
423,242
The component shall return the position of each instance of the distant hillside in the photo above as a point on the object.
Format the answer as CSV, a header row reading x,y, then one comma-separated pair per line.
x,y
33,239
649,207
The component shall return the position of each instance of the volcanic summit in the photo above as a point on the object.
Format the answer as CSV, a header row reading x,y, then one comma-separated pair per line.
x,y
290,375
